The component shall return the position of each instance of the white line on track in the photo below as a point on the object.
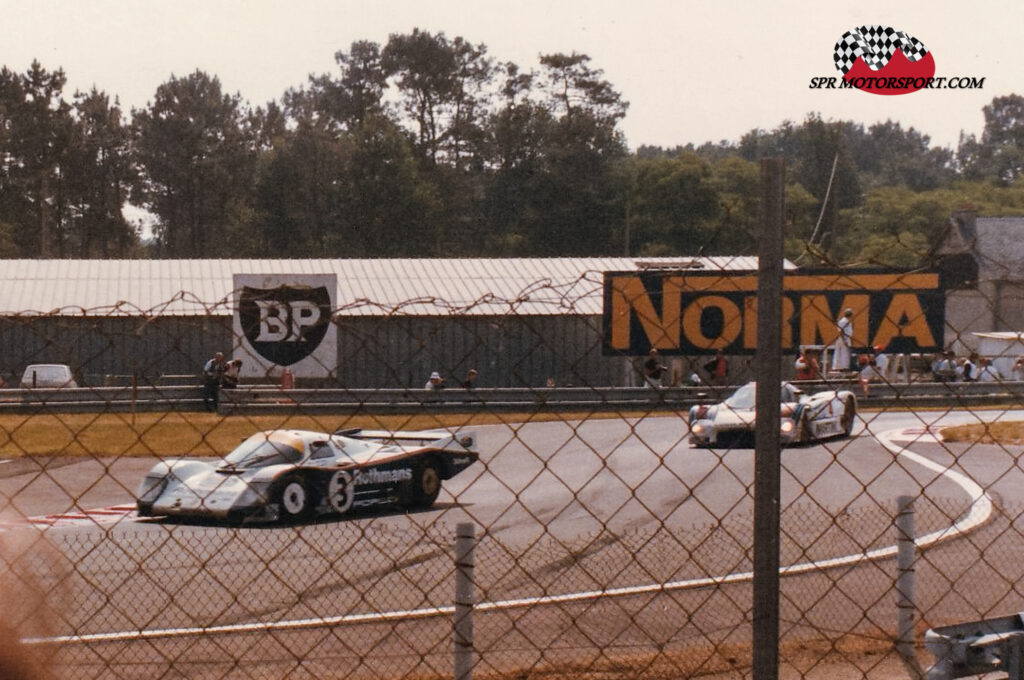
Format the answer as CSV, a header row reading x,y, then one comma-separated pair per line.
x,y
979,513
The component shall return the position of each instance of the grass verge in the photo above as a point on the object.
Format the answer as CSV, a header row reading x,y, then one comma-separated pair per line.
x,y
208,434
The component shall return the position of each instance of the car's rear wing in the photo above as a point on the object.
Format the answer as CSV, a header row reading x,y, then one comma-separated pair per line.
x,y
451,441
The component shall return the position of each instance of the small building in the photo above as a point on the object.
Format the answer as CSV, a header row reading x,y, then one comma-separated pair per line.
x,y
982,264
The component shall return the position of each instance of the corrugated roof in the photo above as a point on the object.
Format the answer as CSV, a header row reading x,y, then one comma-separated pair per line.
x,y
481,286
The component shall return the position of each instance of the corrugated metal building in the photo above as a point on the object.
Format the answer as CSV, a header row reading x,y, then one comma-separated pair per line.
x,y
518,321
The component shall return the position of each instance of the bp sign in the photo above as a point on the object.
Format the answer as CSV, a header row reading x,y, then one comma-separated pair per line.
x,y
285,321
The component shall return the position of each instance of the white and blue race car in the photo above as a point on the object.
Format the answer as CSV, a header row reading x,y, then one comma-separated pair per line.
x,y
804,417
298,474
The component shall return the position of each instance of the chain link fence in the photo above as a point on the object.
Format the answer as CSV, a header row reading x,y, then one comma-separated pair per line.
x,y
606,546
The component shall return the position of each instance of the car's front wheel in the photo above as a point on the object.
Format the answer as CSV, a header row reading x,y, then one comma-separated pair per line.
x,y
849,414
294,499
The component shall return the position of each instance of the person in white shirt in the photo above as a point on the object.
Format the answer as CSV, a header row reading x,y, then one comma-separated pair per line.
x,y
841,356
987,372
1017,372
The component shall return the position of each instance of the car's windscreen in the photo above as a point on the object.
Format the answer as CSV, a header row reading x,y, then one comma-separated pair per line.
x,y
743,398
746,396
257,452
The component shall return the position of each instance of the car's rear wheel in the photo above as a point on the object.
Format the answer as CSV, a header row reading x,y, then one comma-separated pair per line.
x,y
426,484
294,498
849,414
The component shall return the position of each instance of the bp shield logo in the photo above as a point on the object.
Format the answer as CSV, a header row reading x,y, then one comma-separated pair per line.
x,y
285,324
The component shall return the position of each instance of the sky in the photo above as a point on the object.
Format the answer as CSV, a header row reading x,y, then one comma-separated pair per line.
x,y
692,70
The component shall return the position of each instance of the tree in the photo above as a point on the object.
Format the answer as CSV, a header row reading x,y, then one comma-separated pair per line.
x,y
196,158
36,129
579,196
443,87
999,155
100,175
673,203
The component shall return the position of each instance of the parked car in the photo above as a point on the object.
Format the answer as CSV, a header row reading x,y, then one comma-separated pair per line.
x,y
48,375
805,417
298,474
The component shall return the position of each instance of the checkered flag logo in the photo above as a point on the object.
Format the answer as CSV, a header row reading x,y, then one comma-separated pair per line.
x,y
876,45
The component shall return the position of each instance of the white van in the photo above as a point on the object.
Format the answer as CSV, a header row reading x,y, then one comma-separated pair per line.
x,y
48,375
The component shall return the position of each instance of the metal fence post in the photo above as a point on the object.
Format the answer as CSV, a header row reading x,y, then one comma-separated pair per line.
x,y
465,541
905,582
767,453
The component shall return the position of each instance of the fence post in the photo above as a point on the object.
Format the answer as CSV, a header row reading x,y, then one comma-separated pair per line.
x,y
905,582
465,540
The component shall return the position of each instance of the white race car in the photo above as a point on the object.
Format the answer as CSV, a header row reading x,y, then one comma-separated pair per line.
x,y
297,474
805,417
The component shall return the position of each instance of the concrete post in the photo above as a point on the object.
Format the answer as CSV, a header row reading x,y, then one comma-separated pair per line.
x,y
905,605
465,541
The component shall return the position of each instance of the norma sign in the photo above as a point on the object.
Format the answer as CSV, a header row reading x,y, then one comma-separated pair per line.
x,y
693,313
284,321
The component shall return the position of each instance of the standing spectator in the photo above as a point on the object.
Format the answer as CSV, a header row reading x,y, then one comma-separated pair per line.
x,y
653,369
231,371
213,373
1017,372
841,351
470,381
881,363
872,369
718,369
436,382
987,372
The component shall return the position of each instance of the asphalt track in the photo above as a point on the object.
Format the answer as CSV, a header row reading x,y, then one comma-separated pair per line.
x,y
561,482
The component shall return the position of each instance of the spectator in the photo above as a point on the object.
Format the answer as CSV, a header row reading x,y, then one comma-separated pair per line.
x,y
653,369
870,371
1017,372
470,381
944,367
806,365
213,373
841,352
717,369
988,372
881,363
231,371
436,382
967,367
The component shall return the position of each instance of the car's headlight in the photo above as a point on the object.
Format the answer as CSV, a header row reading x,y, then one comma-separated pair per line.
x,y
699,429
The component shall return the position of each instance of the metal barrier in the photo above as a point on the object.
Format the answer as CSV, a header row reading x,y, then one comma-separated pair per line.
x,y
273,399
977,647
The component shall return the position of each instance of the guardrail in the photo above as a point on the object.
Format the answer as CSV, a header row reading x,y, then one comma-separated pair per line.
x,y
272,399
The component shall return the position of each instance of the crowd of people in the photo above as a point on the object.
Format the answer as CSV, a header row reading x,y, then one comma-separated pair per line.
x,y
873,366
948,367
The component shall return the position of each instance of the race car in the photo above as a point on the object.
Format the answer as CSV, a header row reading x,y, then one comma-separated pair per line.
x,y
805,417
293,475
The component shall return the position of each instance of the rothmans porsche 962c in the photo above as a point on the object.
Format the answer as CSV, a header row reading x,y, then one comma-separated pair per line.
x,y
297,474
805,417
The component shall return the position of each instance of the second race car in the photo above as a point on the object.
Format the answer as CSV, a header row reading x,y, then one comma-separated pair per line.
x,y
804,417
298,474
